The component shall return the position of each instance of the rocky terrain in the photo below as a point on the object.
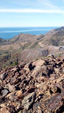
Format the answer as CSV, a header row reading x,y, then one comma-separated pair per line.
x,y
34,87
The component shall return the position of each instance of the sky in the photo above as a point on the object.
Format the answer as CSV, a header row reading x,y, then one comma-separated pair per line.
x,y
31,13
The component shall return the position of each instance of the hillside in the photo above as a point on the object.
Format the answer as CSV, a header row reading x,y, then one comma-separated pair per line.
x,y
20,41
2,41
51,43
28,47
11,50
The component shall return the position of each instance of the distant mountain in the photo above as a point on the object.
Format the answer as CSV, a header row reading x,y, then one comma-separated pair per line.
x,y
54,37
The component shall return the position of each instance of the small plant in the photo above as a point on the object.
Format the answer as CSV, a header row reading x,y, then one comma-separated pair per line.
x,y
59,55
14,63
36,59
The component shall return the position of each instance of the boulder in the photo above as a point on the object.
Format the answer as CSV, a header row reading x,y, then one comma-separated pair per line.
x,y
28,100
38,62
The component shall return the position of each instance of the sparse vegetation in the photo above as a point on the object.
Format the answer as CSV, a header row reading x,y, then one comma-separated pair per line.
x,y
14,63
34,45
59,55
25,46
36,59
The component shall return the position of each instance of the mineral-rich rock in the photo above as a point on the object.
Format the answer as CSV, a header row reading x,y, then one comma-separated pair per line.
x,y
28,100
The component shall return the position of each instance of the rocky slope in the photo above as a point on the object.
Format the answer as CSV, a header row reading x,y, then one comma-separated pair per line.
x,y
34,87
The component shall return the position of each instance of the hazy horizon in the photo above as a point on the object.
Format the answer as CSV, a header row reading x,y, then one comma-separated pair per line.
x,y
28,26
10,32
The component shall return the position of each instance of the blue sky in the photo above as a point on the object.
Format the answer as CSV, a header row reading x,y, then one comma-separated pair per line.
x,y
27,13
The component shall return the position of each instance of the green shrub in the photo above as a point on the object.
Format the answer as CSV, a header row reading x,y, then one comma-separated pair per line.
x,y
14,63
59,55
36,59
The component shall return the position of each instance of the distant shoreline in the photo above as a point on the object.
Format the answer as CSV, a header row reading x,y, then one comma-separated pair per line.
x,y
10,32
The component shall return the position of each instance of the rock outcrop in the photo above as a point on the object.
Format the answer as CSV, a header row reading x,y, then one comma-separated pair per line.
x,y
35,87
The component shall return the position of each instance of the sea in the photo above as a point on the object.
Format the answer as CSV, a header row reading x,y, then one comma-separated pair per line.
x,y
10,32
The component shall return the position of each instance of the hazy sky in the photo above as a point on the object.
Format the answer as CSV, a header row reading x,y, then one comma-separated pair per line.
x,y
21,13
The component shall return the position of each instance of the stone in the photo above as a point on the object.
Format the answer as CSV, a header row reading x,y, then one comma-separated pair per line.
x,y
28,100
62,70
4,110
55,89
11,96
39,62
5,92
11,88
39,111
13,80
12,109
56,70
19,94
26,68
3,76
0,82
37,69
14,69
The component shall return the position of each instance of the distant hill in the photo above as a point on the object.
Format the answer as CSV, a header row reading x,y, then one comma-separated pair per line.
x,y
27,47
12,50
23,38
54,37
20,41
